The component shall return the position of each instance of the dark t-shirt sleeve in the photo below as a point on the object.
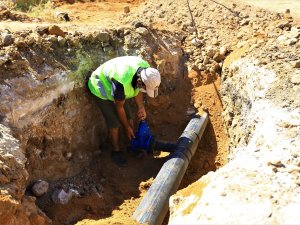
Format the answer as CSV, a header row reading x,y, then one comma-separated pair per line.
x,y
118,91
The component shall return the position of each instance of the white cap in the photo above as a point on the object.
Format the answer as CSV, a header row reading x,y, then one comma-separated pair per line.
x,y
151,78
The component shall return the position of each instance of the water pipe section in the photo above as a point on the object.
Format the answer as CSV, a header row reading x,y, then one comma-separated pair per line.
x,y
154,206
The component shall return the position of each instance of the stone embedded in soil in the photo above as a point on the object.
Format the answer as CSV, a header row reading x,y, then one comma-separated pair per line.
x,y
61,41
291,41
41,30
7,39
218,57
197,42
56,30
296,79
223,51
296,64
103,36
59,196
210,52
40,188
126,9
142,30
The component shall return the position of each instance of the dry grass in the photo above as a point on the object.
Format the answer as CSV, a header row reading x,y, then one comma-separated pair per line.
x,y
45,11
27,5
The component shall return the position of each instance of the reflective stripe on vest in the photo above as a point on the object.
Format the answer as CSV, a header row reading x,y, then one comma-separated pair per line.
x,y
101,89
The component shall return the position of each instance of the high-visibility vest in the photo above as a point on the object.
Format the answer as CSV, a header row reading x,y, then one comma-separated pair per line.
x,y
121,69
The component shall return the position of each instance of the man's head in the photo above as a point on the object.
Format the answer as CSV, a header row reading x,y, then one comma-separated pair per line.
x,y
151,78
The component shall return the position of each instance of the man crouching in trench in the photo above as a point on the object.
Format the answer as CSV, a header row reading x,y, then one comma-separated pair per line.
x,y
113,83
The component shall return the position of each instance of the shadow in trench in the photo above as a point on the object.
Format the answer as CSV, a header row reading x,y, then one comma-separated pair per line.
x,y
107,187
204,159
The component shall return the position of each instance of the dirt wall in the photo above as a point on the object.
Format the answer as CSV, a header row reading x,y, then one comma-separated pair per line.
x,y
260,184
52,115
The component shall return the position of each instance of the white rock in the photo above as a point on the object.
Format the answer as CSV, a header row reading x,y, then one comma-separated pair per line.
x,y
296,79
282,38
197,42
59,196
40,188
142,30
291,41
223,50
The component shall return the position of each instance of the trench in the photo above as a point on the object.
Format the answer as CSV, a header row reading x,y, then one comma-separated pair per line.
x,y
111,194
65,140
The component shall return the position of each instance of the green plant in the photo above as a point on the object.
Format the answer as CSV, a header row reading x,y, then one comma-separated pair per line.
x,y
85,65
26,5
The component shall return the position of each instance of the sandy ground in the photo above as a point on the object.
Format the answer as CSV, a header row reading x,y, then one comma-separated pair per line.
x,y
278,5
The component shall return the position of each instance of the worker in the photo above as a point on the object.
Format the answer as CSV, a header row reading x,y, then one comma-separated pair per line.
x,y
116,81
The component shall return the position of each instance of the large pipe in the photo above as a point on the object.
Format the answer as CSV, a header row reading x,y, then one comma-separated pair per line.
x,y
154,206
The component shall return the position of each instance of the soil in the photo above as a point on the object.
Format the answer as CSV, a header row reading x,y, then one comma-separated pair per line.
x,y
111,194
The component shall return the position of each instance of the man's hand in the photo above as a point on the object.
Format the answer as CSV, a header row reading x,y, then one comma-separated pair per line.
x,y
141,115
130,133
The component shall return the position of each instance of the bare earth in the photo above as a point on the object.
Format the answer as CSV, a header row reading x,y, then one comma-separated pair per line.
x,y
277,5
96,15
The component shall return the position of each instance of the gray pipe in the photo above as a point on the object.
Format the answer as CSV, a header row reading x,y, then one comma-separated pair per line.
x,y
154,206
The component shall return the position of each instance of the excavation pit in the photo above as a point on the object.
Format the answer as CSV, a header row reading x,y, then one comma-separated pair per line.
x,y
63,136
107,193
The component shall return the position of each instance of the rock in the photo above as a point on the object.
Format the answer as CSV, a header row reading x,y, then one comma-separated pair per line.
x,y
61,41
294,33
62,16
52,38
40,188
283,24
3,59
291,41
171,20
41,30
103,36
201,67
197,42
295,79
142,30
205,60
20,42
244,22
138,24
69,155
276,163
215,41
55,30
59,196
223,50
296,64
126,9
218,57
210,52
7,39
216,68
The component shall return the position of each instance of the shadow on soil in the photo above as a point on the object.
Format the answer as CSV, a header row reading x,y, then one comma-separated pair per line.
x,y
116,184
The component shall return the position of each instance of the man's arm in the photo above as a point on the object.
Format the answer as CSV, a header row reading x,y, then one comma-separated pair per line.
x,y
123,118
141,108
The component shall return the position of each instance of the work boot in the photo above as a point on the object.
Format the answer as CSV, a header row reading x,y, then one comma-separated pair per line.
x,y
119,158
